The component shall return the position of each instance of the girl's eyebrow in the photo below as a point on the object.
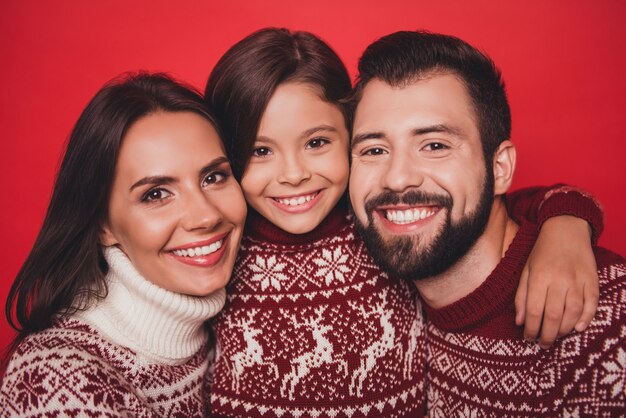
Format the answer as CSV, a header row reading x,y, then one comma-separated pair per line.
x,y
319,128
303,135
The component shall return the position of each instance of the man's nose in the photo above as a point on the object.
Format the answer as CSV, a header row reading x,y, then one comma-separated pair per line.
x,y
402,173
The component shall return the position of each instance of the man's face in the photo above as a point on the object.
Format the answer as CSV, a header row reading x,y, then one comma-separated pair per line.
x,y
418,186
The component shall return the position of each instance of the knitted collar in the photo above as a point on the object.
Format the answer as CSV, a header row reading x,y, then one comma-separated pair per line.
x,y
497,292
259,228
157,324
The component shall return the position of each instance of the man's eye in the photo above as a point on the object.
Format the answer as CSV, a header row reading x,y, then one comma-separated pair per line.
x,y
374,151
214,178
261,151
435,146
317,143
155,194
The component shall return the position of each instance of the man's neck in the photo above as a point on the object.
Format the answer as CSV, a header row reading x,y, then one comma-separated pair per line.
x,y
473,268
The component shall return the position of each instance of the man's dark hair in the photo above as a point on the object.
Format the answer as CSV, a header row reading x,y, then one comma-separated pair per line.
x,y
402,58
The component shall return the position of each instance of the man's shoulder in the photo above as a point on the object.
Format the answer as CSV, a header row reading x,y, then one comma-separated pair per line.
x,y
611,267
595,359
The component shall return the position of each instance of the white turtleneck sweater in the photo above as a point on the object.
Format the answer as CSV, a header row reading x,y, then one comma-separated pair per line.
x,y
141,351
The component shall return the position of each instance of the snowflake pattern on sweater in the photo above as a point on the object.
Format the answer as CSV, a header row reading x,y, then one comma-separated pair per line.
x,y
83,365
70,370
313,328
480,366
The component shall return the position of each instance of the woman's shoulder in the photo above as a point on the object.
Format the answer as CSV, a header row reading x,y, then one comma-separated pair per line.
x,y
67,370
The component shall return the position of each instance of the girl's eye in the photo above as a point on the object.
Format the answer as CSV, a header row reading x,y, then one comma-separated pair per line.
x,y
317,143
155,194
214,178
261,151
374,151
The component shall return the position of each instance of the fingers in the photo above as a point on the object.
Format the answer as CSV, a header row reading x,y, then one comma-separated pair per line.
x,y
591,297
520,298
535,305
553,315
572,310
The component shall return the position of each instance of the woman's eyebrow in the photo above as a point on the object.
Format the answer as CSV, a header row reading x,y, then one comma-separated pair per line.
x,y
213,165
152,180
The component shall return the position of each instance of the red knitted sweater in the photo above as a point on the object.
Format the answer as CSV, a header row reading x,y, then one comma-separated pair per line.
x,y
141,351
312,328
478,364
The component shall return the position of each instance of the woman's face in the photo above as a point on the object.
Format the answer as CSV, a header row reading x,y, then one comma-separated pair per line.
x,y
175,209
299,167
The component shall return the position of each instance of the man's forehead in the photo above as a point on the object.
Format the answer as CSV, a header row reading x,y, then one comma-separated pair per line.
x,y
435,100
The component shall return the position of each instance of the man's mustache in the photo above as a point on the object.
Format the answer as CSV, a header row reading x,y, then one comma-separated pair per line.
x,y
409,198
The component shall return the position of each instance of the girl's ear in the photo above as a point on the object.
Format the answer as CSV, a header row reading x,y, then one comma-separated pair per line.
x,y
107,238
503,167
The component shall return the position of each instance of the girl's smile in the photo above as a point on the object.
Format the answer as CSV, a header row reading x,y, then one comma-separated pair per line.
x,y
299,167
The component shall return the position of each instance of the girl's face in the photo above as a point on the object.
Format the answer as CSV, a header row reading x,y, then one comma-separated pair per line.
x,y
175,209
299,167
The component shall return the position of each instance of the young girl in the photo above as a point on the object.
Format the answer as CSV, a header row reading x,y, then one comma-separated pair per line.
x,y
138,243
312,327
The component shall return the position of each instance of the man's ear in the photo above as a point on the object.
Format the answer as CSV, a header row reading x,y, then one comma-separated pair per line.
x,y
503,167
106,236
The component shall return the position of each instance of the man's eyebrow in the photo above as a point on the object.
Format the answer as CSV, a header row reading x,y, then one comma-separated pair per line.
x,y
442,128
356,139
446,129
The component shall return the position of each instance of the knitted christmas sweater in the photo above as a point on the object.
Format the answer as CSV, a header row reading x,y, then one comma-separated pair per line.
x,y
479,366
141,351
313,328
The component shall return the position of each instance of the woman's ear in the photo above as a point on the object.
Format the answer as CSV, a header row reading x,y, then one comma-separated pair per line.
x,y
503,167
107,238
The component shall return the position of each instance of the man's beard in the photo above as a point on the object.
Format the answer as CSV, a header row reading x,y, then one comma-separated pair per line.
x,y
402,256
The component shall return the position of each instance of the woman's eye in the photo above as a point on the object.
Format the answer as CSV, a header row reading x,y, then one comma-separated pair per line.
x,y
317,143
155,194
261,151
214,178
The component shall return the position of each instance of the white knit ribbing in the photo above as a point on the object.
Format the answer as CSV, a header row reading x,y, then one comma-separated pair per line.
x,y
160,325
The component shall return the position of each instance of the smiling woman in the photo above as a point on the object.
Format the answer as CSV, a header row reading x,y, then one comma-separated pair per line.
x,y
133,256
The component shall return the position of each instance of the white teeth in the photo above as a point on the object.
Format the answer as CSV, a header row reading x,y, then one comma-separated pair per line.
x,y
197,251
407,216
295,201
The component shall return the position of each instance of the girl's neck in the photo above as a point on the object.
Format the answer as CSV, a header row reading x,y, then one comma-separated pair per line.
x,y
259,228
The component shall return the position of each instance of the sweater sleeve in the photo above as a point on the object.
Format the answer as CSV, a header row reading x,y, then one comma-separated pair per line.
x,y
65,382
538,204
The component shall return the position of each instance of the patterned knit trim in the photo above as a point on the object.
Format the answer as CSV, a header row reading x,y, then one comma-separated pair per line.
x,y
497,292
259,229
402,404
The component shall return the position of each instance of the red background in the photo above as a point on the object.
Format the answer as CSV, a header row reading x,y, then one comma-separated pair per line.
x,y
563,62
